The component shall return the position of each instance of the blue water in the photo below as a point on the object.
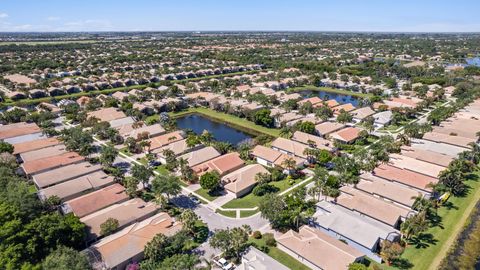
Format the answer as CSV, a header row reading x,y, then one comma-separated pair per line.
x,y
475,61
342,99
220,131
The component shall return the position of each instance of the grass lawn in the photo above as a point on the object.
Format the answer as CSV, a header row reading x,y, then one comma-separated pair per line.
x,y
249,213
329,90
280,256
454,218
251,201
232,214
240,123
204,193
247,201
125,151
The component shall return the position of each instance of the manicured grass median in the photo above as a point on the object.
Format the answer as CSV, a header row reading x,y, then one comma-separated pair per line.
x,y
232,214
329,90
280,256
248,213
453,221
240,123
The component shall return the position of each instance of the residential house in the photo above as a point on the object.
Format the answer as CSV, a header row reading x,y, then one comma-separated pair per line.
x,y
199,156
242,181
116,251
318,250
222,165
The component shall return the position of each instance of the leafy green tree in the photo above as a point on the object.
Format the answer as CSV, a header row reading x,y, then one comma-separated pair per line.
x,y
131,186
108,155
262,117
66,258
171,159
166,184
180,262
189,220
77,140
210,181
6,147
109,226
141,173
344,117
306,126
232,242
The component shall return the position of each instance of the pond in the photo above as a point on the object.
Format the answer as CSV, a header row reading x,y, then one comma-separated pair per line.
x,y
474,61
220,131
340,98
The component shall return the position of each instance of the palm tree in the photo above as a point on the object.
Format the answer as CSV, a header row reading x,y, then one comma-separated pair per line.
x,y
404,139
289,164
414,225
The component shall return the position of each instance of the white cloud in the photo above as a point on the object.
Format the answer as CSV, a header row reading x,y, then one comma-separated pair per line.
x,y
86,25
53,18
3,15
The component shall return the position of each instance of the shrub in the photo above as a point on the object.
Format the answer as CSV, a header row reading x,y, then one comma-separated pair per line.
x,y
257,235
269,239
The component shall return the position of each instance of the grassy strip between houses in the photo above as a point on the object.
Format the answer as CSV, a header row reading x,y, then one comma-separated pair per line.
x,y
231,214
247,213
279,255
453,221
237,122
26,102
329,90
204,193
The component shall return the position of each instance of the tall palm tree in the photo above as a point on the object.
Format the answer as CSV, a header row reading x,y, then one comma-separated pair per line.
x,y
289,164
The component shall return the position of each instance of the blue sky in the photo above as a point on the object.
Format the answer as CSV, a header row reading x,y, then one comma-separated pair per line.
x,y
204,15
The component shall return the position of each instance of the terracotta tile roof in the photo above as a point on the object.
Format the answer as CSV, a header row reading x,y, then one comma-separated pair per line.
x,y
242,178
348,107
198,156
125,212
39,165
406,177
320,249
34,145
64,173
412,164
222,164
426,155
448,139
312,100
319,142
77,186
18,129
378,209
43,153
162,140
118,249
348,134
326,128
266,153
292,147
97,200
107,114
387,189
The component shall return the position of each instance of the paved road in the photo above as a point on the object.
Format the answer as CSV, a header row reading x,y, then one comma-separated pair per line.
x,y
217,221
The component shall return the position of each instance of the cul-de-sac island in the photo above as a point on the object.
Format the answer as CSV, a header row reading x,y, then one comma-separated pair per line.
x,y
258,135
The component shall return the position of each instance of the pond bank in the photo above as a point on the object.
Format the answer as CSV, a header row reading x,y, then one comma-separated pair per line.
x,y
234,121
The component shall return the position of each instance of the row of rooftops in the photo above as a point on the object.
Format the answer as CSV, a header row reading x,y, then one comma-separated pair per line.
x,y
90,194
371,211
